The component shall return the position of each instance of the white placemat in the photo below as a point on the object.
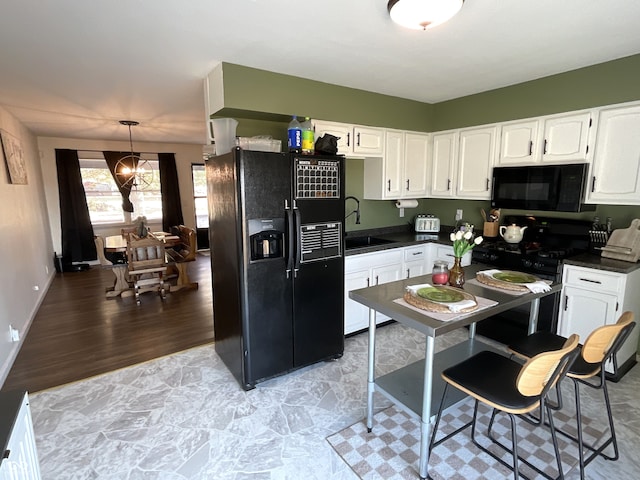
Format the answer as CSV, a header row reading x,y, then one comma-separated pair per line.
x,y
447,317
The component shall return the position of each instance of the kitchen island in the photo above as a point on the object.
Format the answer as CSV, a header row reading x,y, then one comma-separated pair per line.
x,y
415,386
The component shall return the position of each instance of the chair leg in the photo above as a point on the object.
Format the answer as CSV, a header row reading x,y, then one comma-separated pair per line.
x,y
554,438
614,440
137,292
576,388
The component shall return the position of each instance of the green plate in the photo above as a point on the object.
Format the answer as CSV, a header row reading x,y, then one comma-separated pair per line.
x,y
514,277
441,295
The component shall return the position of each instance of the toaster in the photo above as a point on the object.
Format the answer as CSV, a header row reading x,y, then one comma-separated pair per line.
x,y
427,224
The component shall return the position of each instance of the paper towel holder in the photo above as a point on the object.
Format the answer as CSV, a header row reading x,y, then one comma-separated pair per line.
x,y
402,204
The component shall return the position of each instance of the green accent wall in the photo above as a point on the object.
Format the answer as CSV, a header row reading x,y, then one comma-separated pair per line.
x,y
602,84
253,93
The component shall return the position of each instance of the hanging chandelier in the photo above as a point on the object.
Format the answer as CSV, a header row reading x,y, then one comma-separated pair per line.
x,y
132,171
422,14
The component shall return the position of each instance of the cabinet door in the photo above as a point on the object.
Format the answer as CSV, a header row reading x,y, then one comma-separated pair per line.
x,y
385,274
416,154
444,150
22,462
582,311
368,141
343,132
565,138
356,315
475,162
615,175
518,143
393,164
415,269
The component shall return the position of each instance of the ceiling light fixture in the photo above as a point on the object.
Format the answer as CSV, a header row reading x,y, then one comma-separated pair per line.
x,y
132,171
422,14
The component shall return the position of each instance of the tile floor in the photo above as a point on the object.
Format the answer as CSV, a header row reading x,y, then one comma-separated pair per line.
x,y
185,417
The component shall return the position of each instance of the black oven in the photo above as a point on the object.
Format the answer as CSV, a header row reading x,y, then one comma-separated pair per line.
x,y
549,188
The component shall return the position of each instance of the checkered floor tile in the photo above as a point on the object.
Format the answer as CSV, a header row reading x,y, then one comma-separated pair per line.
x,y
391,450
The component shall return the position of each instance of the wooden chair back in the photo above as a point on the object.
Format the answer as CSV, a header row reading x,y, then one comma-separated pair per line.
x,y
599,343
145,253
541,372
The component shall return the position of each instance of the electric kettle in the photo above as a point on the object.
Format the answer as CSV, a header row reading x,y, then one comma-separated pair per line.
x,y
513,233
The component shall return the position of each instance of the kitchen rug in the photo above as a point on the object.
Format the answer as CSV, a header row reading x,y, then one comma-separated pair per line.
x,y
391,450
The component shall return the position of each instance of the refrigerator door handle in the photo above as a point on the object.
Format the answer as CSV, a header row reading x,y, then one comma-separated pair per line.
x,y
296,265
291,238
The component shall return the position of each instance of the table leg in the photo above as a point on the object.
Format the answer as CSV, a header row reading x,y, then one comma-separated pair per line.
x,y
533,316
425,419
121,284
371,368
472,331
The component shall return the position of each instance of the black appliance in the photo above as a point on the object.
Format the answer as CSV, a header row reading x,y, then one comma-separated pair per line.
x,y
546,243
559,188
276,240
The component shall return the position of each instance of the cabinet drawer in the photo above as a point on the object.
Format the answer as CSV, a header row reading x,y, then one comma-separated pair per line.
x,y
598,280
415,253
390,256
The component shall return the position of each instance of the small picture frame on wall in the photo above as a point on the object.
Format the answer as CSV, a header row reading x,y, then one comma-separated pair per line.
x,y
14,158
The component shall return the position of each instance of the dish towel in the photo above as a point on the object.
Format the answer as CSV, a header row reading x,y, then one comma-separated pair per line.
x,y
534,287
455,307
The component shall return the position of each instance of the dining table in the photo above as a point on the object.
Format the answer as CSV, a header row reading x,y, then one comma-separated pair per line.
x,y
414,387
118,244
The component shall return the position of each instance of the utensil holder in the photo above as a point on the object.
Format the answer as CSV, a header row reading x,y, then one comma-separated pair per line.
x,y
490,229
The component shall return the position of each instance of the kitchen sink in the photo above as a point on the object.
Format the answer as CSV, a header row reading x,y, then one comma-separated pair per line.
x,y
368,241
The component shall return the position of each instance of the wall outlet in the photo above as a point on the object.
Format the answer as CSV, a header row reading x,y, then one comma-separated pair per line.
x,y
459,214
14,334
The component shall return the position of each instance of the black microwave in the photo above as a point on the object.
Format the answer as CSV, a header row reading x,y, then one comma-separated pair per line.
x,y
559,188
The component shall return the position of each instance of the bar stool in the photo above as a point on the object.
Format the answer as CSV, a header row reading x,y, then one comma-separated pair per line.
x,y
601,345
510,387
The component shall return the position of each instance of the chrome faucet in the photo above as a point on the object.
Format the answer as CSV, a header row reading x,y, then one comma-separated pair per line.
x,y
356,211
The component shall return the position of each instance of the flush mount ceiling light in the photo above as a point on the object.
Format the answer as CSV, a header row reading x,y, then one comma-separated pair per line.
x,y
132,171
422,14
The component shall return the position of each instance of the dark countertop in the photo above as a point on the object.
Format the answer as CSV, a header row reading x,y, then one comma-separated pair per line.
x,y
590,260
399,236
10,403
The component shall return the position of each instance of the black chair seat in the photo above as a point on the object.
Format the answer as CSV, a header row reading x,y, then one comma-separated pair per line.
x,y
498,387
538,342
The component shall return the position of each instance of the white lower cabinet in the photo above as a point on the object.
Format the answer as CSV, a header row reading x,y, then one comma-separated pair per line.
x,y
20,460
385,266
445,253
365,270
592,298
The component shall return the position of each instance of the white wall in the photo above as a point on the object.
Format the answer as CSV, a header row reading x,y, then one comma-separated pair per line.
x,y
25,245
185,155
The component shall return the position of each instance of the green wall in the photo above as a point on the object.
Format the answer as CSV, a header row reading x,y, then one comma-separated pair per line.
x,y
602,84
253,93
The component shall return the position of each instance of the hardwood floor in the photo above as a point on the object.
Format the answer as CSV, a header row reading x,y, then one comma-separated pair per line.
x,y
78,333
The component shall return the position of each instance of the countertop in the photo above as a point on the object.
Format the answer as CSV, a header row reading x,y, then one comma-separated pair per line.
x,y
404,237
590,260
399,236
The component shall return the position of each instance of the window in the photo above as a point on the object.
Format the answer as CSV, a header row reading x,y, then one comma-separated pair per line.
x,y
104,199
200,195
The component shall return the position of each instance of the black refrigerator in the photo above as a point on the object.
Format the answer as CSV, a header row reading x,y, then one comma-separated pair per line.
x,y
276,242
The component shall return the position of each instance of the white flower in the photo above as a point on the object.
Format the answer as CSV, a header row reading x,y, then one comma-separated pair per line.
x,y
458,235
478,240
467,235
452,237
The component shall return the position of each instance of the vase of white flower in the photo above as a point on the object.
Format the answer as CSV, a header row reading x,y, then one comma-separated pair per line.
x,y
463,242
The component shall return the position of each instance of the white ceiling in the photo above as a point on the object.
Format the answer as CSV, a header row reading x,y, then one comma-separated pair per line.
x,y
73,68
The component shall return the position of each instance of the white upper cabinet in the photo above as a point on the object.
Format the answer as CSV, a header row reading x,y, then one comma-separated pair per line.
x,y
615,169
553,139
402,171
462,161
477,150
566,138
444,147
519,143
353,139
